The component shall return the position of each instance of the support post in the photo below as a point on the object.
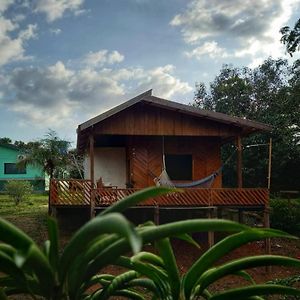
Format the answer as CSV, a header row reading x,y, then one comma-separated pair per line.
x,y
211,235
267,240
92,176
239,162
241,216
270,164
92,204
92,159
156,214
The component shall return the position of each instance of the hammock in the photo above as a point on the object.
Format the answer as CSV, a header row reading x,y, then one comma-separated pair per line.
x,y
164,180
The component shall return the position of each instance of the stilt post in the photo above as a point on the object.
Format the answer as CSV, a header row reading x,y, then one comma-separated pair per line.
x,y
156,214
239,162
211,213
267,240
92,175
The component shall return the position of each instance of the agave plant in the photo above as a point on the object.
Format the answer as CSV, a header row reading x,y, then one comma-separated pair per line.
x,y
110,239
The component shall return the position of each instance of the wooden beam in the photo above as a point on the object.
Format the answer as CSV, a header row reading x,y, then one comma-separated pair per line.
x,y
270,164
267,240
156,214
239,163
211,214
92,159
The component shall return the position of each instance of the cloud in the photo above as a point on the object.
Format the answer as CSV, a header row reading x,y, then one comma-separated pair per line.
x,y
55,31
12,39
55,9
163,82
247,27
210,49
102,57
57,95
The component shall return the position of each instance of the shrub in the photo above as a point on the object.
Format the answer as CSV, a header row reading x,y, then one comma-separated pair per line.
x,y
18,190
108,239
285,215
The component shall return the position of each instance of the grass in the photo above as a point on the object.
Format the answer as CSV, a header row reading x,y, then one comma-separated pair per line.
x,y
30,215
35,205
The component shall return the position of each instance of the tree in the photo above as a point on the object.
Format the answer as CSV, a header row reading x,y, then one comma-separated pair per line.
x,y
268,94
291,38
49,153
5,141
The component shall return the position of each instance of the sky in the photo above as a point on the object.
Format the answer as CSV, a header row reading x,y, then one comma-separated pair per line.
x,y
65,61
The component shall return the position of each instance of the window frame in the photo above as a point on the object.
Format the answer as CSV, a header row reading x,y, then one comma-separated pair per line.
x,y
15,170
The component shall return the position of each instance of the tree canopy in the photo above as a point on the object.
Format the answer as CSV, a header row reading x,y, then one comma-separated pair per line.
x,y
268,94
49,153
291,38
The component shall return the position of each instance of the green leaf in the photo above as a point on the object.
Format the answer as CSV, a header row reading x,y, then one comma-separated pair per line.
x,y
166,252
54,246
13,236
156,274
136,198
117,284
232,267
89,233
188,238
153,233
222,248
255,290
78,268
38,263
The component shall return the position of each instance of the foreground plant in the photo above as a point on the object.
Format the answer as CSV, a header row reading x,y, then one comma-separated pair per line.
x,y
110,239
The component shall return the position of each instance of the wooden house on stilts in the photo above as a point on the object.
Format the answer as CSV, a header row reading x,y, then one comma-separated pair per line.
x,y
127,148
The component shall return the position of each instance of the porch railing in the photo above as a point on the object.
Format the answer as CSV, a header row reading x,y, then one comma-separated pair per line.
x,y
70,192
190,197
80,193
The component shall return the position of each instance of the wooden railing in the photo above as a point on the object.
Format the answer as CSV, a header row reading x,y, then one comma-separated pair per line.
x,y
70,192
80,193
190,197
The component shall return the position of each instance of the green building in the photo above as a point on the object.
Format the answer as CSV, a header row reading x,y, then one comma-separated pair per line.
x,y
9,156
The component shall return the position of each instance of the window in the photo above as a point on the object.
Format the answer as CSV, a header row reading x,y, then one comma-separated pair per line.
x,y
11,168
179,167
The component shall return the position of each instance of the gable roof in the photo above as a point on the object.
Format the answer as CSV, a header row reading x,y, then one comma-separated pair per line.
x,y
248,126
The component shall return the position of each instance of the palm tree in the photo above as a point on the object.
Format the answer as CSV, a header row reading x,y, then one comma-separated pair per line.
x,y
49,153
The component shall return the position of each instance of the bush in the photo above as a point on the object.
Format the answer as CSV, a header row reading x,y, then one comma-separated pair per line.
x,y
77,272
285,215
18,190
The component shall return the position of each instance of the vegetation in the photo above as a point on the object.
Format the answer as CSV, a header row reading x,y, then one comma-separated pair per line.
x,y
76,273
291,37
285,215
18,190
35,205
49,153
52,154
268,94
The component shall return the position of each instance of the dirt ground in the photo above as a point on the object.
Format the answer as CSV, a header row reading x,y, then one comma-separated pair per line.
x,y
186,254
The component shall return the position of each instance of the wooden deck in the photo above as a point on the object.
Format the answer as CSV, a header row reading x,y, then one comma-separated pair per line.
x,y
66,193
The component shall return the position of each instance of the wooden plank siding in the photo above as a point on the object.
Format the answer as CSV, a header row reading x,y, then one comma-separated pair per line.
x,y
145,157
147,120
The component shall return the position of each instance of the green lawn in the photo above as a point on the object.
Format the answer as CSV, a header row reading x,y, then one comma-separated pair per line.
x,y
29,215
36,205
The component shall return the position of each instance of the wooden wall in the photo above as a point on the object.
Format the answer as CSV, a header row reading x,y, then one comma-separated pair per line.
x,y
145,157
147,120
